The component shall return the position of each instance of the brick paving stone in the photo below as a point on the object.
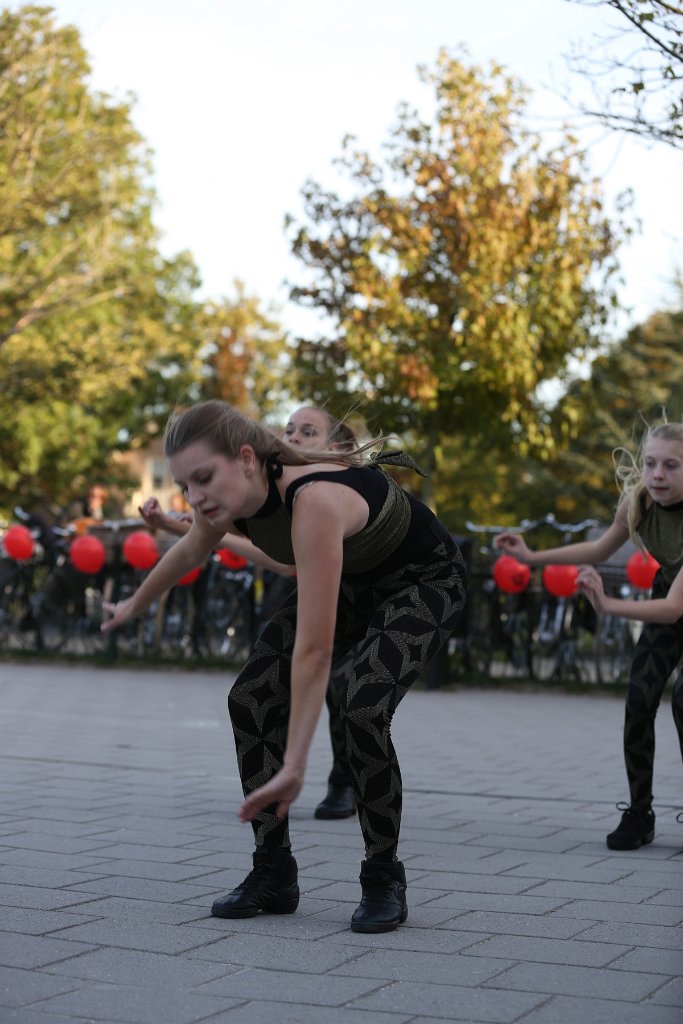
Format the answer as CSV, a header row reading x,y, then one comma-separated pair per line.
x,y
636,935
670,995
552,951
565,1010
290,987
628,913
451,1002
439,968
539,925
302,955
596,983
135,1005
22,987
140,968
265,1012
654,961
118,828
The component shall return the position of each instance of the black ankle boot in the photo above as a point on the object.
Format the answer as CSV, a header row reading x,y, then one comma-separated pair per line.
x,y
340,802
271,887
383,906
636,828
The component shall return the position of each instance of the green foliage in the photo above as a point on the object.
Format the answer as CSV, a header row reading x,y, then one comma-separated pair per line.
x,y
460,275
245,354
636,73
636,381
95,326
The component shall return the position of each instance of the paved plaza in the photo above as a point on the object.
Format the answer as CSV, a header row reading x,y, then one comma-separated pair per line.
x,y
118,827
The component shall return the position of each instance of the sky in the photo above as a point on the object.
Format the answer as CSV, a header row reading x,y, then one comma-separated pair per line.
x,y
242,100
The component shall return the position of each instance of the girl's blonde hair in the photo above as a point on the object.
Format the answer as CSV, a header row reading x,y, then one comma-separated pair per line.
x,y
225,430
628,470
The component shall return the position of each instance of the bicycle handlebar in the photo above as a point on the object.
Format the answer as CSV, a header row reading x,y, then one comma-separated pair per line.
x,y
526,524
533,524
571,527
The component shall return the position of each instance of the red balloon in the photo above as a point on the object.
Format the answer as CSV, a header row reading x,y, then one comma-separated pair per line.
x,y
561,580
19,543
230,560
188,578
641,569
140,550
87,554
510,575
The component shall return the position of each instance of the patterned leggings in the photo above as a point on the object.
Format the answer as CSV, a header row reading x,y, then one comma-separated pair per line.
x,y
657,653
387,631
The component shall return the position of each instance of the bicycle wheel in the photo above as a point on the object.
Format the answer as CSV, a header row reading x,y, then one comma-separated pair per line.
x,y
176,638
516,630
52,615
86,634
227,614
479,649
614,646
499,636
545,640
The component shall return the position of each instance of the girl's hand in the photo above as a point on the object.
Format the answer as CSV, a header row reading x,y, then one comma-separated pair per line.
x,y
590,582
513,544
152,513
120,612
283,789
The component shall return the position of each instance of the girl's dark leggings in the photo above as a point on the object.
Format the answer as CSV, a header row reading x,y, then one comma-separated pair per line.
x,y
657,654
387,630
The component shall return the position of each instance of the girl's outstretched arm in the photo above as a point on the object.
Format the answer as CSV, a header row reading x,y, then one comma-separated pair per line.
x,y
657,609
153,515
592,552
187,554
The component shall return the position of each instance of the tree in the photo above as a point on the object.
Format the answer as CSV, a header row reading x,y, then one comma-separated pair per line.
x,y
636,72
95,325
460,276
245,355
636,382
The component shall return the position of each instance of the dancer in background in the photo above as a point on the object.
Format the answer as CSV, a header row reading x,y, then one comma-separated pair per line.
x,y
651,514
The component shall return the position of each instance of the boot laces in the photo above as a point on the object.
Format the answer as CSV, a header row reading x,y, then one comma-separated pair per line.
x,y
630,813
256,876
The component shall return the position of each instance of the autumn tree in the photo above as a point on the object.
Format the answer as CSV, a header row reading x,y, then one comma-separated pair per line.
x,y
244,350
636,382
459,274
95,324
636,69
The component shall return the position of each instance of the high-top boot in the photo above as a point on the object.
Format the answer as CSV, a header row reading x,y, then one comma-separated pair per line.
x,y
383,906
271,886
340,802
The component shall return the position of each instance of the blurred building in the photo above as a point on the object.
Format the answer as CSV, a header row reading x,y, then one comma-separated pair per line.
x,y
149,468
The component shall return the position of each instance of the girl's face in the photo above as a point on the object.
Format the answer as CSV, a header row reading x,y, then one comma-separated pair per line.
x,y
308,428
663,470
219,488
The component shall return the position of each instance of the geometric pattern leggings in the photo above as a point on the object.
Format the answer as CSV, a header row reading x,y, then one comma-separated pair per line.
x,y
387,630
658,651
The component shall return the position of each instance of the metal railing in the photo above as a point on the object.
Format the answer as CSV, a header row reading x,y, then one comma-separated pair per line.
x,y
48,605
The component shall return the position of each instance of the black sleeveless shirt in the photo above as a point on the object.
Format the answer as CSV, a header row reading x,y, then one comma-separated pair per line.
x,y
400,529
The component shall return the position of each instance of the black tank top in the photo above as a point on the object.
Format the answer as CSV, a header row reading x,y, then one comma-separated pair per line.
x,y
400,529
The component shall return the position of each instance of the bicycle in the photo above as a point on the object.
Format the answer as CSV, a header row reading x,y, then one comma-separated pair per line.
x,y
138,637
616,637
226,617
563,638
68,607
499,634
19,582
